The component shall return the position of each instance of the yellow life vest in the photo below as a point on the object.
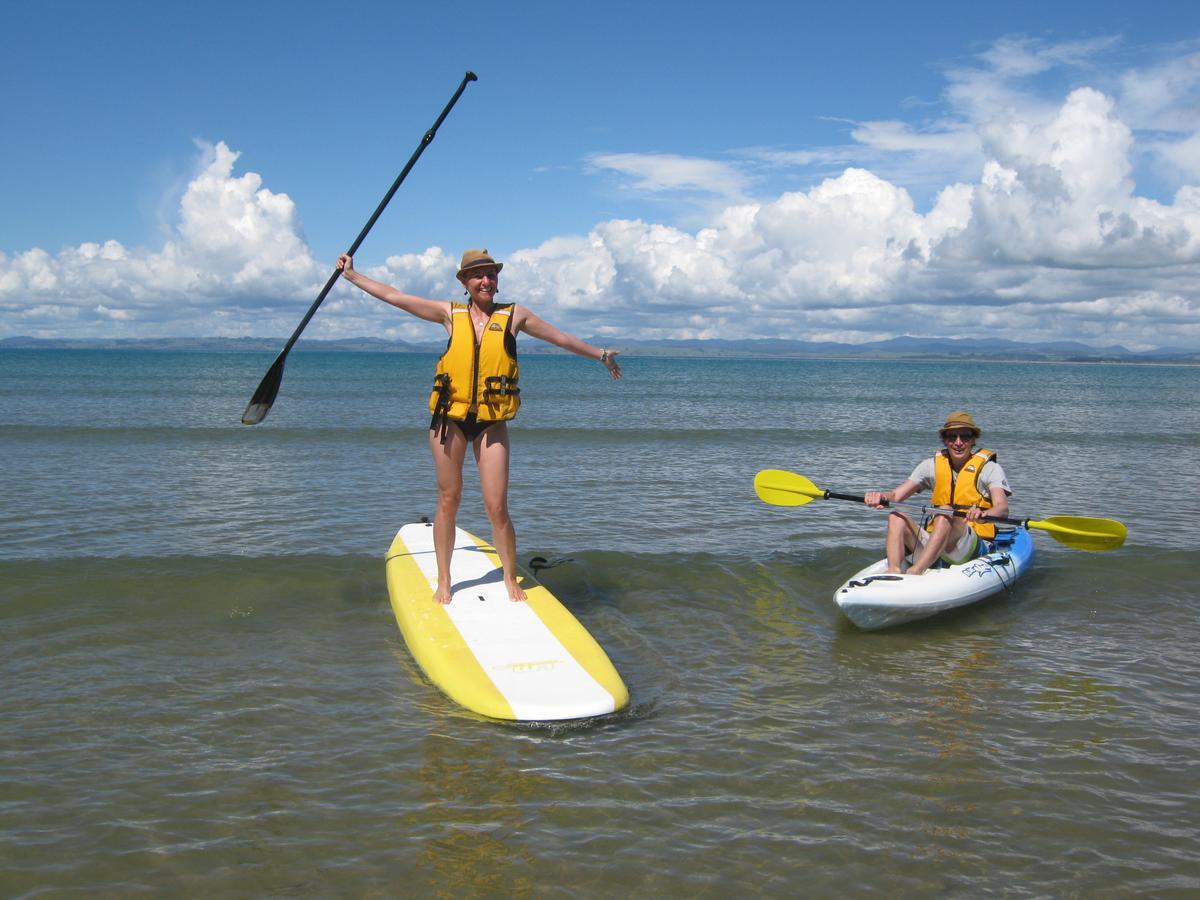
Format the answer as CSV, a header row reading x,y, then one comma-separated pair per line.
x,y
477,375
964,490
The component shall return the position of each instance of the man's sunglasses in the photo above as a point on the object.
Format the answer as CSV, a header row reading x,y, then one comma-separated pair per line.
x,y
965,436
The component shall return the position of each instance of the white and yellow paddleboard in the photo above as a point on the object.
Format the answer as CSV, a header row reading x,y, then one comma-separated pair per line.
x,y
530,662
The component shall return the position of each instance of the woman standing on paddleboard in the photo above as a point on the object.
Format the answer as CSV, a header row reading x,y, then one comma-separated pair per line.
x,y
475,393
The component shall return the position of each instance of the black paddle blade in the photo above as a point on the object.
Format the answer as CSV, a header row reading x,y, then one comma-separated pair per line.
x,y
268,388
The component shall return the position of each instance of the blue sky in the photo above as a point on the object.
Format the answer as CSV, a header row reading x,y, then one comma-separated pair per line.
x,y
824,171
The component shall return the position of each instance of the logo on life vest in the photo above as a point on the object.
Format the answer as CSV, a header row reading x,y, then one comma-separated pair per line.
x,y
495,326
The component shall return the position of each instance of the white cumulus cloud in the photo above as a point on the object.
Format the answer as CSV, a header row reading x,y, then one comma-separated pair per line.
x,y
1037,229
234,241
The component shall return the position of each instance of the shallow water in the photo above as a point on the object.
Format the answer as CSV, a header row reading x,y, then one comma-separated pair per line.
x,y
205,690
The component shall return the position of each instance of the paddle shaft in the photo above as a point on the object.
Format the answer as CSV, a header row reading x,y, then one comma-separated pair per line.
x,y
264,397
859,498
783,488
387,198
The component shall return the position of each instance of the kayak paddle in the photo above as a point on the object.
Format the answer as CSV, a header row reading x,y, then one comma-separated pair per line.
x,y
268,388
782,488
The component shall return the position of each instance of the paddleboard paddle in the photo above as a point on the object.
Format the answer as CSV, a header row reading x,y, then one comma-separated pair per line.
x,y
260,404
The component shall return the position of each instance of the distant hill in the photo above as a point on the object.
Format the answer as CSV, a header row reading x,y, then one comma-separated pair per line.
x,y
894,348
917,348
214,344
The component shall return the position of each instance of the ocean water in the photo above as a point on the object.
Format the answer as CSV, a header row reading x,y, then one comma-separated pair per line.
x,y
205,692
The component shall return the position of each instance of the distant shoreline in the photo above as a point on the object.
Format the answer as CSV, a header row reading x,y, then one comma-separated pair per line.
x,y
894,350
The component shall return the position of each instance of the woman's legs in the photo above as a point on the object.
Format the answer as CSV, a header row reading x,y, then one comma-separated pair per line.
x,y
448,465
491,456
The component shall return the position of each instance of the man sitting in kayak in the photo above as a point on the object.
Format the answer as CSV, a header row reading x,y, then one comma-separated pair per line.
x,y
961,477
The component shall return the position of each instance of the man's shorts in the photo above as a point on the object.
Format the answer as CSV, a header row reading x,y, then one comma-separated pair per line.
x,y
966,548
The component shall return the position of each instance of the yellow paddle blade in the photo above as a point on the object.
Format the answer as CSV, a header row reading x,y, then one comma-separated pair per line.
x,y
782,488
1082,532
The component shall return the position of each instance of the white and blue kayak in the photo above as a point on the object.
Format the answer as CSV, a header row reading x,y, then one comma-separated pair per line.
x,y
873,599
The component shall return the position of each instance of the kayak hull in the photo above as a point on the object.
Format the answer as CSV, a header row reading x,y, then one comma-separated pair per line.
x,y
873,599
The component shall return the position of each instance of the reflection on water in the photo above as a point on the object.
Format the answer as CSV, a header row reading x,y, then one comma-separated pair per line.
x,y
956,720
1076,695
960,695
472,817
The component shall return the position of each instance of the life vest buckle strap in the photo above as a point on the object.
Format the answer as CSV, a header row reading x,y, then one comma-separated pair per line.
x,y
441,410
499,386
